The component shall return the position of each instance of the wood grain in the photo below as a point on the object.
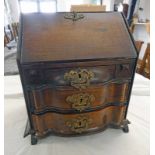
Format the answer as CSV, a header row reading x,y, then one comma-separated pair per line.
x,y
50,46
56,123
51,37
48,98
55,76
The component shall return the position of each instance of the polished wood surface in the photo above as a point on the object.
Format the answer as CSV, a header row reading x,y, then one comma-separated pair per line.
x,y
101,74
57,122
42,75
47,98
77,76
51,37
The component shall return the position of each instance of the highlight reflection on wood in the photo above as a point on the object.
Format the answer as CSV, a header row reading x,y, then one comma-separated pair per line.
x,y
58,123
48,98
77,72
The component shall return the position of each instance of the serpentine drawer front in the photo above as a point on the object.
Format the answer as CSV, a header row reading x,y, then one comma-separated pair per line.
x,y
77,72
71,99
69,124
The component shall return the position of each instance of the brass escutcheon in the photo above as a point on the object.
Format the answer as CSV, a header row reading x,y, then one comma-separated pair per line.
x,y
74,16
80,101
79,124
79,78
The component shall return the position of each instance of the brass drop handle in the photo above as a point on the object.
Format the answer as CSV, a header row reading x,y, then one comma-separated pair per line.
x,y
79,78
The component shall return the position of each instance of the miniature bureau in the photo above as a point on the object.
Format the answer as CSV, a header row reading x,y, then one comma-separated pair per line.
x,y
77,72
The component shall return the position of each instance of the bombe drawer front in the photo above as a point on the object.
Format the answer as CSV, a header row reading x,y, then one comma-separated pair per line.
x,y
66,99
68,124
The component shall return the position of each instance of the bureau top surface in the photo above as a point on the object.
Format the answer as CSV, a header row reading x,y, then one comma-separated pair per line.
x,y
51,37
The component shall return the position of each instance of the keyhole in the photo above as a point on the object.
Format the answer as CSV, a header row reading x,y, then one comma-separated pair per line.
x,y
81,100
79,123
121,67
80,76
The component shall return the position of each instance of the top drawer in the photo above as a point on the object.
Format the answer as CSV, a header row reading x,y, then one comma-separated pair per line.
x,y
77,77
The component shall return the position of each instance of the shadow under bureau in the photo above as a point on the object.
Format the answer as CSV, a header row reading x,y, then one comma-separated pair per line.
x,y
77,71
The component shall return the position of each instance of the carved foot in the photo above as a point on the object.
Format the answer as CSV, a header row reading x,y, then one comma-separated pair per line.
x,y
34,139
124,126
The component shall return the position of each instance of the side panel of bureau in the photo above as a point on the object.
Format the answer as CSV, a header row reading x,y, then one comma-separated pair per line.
x,y
72,124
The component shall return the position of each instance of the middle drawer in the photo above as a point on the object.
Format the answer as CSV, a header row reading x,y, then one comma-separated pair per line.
x,y
68,99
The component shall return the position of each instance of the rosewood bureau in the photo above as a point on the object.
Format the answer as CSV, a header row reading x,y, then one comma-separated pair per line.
x,y
77,72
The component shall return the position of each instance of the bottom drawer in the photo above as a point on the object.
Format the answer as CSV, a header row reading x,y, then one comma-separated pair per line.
x,y
71,124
